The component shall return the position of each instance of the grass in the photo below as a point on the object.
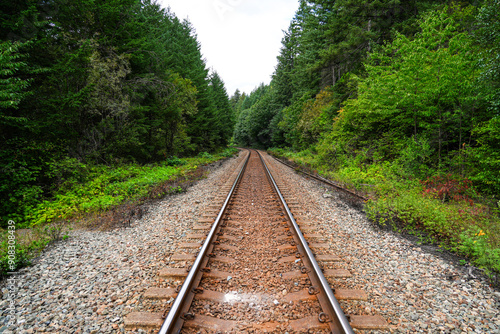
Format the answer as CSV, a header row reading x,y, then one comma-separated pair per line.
x,y
446,209
102,197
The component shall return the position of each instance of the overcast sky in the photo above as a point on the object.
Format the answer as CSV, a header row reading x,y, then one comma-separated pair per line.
x,y
240,39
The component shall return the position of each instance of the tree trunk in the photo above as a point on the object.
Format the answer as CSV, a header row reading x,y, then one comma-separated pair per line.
x,y
334,78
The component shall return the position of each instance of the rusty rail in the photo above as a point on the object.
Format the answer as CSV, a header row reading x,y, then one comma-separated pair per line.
x,y
322,179
332,312
335,316
173,321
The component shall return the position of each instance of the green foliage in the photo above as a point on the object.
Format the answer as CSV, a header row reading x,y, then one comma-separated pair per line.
x,y
80,188
486,157
229,152
89,189
404,203
258,111
410,211
398,100
23,165
12,87
174,161
488,35
416,87
415,155
205,155
224,117
91,83
475,243
12,262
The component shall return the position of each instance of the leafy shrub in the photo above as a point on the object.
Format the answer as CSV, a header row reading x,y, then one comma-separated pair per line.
x,y
441,206
414,155
93,189
448,188
229,152
474,243
205,155
408,211
21,257
174,161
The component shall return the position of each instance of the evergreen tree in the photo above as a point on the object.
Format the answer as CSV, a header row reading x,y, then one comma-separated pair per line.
x,y
224,112
100,82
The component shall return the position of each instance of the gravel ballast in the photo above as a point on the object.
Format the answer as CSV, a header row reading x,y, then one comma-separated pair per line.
x,y
415,291
89,282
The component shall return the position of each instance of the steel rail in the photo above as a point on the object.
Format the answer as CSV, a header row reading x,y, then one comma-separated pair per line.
x,y
322,179
341,322
174,314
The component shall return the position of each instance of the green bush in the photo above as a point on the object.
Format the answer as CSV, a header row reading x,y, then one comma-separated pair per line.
x,y
409,211
174,161
229,152
82,189
205,155
474,243
20,258
444,208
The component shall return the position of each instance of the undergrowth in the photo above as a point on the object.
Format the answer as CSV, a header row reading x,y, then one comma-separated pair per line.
x,y
98,196
445,208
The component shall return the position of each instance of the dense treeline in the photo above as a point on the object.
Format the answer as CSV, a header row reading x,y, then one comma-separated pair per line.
x,y
366,82
397,99
98,82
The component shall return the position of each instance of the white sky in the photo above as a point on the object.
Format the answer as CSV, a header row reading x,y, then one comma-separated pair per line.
x,y
240,39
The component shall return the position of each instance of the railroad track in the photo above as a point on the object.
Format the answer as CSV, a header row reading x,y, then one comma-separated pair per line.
x,y
256,270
